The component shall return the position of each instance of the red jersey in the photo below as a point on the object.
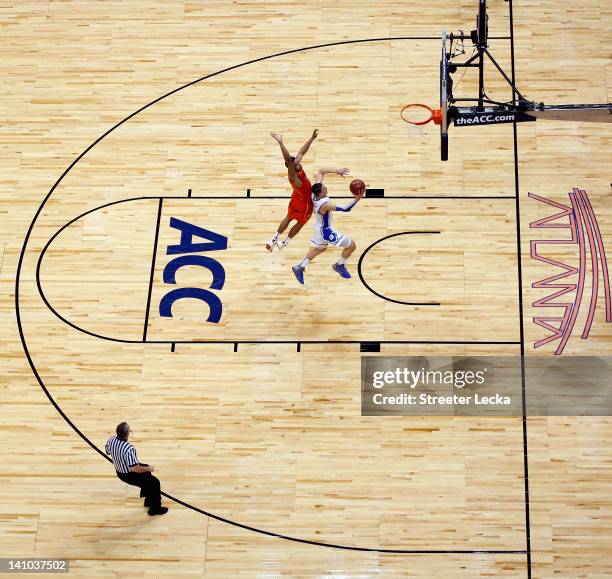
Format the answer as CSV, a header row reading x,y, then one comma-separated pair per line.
x,y
300,206
303,193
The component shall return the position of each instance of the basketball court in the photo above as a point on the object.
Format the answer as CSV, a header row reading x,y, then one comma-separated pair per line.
x,y
141,183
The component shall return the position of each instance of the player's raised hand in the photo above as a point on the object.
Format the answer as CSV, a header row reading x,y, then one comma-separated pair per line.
x,y
315,134
277,137
345,171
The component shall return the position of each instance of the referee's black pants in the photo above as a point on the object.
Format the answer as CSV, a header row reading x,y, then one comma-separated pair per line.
x,y
149,486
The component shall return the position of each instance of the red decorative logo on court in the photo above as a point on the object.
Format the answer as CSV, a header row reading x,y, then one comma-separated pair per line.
x,y
584,230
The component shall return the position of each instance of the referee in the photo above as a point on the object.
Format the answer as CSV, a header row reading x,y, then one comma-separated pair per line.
x,y
130,471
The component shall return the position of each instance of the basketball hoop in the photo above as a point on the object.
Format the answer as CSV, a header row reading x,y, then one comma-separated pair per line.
x,y
416,115
411,114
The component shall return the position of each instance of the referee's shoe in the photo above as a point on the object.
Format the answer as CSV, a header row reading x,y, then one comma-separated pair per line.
x,y
132,472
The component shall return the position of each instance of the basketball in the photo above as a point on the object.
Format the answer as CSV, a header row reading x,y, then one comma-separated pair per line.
x,y
357,186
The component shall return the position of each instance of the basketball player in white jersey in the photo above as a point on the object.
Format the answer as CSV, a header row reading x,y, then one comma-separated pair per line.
x,y
324,234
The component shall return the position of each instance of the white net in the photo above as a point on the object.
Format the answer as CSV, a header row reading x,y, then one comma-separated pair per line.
x,y
415,131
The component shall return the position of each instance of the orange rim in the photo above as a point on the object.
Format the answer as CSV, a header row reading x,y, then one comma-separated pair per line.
x,y
435,114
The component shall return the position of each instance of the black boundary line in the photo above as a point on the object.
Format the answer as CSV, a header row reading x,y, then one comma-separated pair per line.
x,y
146,322
188,193
348,548
521,313
76,429
365,283
173,347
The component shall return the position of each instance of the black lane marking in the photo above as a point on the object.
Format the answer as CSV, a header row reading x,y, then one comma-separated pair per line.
x,y
205,342
235,346
521,313
248,193
52,400
375,193
188,193
146,322
369,347
125,341
173,347
363,281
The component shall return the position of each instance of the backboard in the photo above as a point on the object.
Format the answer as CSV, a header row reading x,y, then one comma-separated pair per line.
x,y
444,101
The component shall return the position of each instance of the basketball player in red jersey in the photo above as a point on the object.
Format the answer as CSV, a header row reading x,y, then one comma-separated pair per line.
x,y
300,206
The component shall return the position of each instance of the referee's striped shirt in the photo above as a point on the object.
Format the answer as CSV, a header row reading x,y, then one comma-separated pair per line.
x,y
123,454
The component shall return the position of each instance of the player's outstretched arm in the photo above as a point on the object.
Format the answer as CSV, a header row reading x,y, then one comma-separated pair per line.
x,y
306,146
343,172
331,206
287,157
349,206
279,139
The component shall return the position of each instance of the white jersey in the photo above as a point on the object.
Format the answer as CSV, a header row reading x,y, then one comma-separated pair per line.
x,y
321,222
324,234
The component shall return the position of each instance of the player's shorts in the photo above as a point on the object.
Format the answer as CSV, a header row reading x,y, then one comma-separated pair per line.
x,y
299,211
330,237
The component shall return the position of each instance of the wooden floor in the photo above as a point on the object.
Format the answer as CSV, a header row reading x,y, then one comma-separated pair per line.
x,y
253,429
